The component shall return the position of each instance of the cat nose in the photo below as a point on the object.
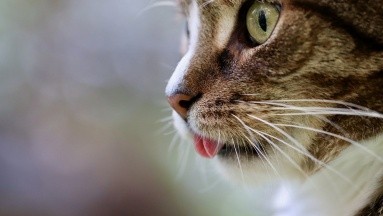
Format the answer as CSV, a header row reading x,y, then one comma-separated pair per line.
x,y
181,103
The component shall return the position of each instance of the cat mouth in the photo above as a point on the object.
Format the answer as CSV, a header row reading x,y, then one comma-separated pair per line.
x,y
210,148
230,150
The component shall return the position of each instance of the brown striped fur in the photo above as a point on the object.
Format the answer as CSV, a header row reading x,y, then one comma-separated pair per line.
x,y
320,49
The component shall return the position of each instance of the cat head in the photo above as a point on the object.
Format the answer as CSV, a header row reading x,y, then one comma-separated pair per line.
x,y
279,85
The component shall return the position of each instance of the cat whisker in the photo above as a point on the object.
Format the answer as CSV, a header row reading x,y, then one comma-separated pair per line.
x,y
336,136
166,119
211,186
172,144
206,3
184,157
262,157
164,130
259,151
219,137
239,161
372,115
279,130
264,136
333,124
299,148
310,156
273,148
318,109
156,5
209,175
297,166
319,112
356,111
166,109
338,102
346,104
167,66
282,106
250,94
174,131
352,109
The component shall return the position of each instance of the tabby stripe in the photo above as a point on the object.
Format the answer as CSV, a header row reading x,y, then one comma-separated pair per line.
x,y
362,40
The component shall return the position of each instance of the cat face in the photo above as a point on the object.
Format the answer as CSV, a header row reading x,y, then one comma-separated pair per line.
x,y
271,85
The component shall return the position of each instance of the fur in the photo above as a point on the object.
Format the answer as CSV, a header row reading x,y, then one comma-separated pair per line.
x,y
308,100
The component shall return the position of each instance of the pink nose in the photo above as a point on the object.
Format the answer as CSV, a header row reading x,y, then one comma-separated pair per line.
x,y
181,103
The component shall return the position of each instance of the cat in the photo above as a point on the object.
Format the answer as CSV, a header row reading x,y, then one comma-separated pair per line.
x,y
291,92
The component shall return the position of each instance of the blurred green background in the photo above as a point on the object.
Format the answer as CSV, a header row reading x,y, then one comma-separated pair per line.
x,y
83,128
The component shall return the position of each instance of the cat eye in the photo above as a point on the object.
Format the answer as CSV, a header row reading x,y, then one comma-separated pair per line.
x,y
261,19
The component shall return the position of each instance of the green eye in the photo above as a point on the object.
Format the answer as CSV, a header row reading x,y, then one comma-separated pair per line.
x,y
261,20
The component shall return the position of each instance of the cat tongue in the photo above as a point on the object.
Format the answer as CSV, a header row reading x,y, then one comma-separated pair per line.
x,y
205,147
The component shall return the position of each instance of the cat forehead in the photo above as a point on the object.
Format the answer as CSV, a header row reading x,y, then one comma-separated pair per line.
x,y
205,4
360,18
185,3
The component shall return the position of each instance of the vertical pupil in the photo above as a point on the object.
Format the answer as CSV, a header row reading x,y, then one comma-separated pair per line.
x,y
262,20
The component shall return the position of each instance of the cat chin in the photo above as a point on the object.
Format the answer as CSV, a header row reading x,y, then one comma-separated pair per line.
x,y
250,169
344,192
255,172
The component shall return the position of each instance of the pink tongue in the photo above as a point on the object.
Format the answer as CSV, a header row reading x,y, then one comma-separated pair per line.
x,y
206,147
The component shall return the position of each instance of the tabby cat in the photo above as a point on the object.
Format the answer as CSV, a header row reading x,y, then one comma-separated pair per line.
x,y
288,91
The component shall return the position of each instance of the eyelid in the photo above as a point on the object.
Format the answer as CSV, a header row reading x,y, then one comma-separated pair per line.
x,y
279,7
